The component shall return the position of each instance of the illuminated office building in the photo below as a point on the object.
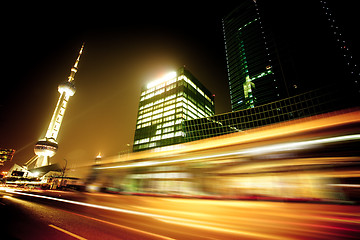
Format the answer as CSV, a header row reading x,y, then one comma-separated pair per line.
x,y
165,104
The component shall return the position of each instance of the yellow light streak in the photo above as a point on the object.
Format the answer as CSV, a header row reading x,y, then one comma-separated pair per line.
x,y
283,147
125,227
227,230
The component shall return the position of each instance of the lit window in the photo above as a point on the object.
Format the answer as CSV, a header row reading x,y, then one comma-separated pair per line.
x,y
159,106
144,140
168,135
169,118
169,102
147,114
169,107
160,86
159,101
180,104
159,91
169,129
150,90
170,97
146,119
153,144
157,116
149,95
169,113
171,123
156,138
146,125
179,121
148,105
158,111
171,87
179,133
201,92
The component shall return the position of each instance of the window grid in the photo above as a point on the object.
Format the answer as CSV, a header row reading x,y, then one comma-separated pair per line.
x,y
304,105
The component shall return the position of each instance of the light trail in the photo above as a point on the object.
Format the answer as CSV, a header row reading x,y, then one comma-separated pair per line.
x,y
99,220
94,219
121,226
302,225
89,205
282,147
162,218
156,216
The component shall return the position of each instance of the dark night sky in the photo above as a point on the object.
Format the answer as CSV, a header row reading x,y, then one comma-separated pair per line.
x,y
126,47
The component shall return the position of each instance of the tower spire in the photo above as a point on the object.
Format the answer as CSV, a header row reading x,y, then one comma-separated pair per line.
x,y
75,67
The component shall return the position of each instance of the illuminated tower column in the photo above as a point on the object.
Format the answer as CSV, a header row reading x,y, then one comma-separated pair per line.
x,y
47,146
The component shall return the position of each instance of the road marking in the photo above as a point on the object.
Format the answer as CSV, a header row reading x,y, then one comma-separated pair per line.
x,y
106,208
122,226
164,218
67,232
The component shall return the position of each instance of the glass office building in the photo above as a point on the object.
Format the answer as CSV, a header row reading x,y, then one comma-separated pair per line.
x,y
251,59
165,104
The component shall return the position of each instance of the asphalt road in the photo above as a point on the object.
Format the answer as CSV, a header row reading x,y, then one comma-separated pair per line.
x,y
61,215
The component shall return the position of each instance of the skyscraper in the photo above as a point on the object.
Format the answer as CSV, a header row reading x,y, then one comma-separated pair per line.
x,y
250,58
276,52
165,104
47,146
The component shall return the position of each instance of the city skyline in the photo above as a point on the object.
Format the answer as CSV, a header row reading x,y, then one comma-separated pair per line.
x,y
38,60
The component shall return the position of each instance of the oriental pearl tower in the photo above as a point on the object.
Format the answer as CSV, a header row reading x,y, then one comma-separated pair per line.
x,y
46,147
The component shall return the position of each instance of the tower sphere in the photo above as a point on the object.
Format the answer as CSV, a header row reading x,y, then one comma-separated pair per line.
x,y
46,148
68,88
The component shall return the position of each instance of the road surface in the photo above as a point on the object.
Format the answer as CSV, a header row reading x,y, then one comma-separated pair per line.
x,y
70,215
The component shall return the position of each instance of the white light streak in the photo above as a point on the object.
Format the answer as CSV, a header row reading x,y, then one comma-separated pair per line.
x,y
173,220
156,216
282,147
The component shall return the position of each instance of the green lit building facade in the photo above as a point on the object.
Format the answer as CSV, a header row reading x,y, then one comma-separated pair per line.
x,y
250,59
165,104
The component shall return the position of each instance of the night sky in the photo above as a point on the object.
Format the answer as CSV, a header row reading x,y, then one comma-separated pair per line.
x,y
126,46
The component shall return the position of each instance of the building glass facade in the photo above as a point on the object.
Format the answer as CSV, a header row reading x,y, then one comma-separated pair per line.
x,y
307,104
165,104
251,60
